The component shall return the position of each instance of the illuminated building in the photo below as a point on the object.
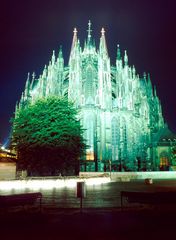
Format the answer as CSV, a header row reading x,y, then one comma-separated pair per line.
x,y
6,153
119,110
7,164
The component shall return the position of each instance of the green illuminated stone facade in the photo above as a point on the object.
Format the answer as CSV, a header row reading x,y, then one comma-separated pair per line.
x,y
119,110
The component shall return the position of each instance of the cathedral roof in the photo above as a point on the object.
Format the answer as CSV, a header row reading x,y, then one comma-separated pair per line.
x,y
166,136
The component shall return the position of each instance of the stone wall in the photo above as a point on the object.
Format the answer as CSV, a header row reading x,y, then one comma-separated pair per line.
x,y
126,176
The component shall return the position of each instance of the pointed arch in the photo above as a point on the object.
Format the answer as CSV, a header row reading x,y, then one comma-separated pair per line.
x,y
89,136
89,85
115,138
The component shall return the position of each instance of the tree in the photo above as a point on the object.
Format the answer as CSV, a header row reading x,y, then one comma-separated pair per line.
x,y
48,137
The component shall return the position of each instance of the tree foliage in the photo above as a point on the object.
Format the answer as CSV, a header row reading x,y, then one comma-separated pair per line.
x,y
48,137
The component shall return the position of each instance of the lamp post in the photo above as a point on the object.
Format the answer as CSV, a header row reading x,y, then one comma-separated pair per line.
x,y
110,168
120,158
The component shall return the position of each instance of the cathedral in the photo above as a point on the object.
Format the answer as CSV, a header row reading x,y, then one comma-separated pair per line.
x,y
119,110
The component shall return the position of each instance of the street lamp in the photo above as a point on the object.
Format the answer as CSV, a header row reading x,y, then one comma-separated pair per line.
x,y
110,168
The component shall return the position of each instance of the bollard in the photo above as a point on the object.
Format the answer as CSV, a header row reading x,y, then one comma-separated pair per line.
x,y
81,192
148,181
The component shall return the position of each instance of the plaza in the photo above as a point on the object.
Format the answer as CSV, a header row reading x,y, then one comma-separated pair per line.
x,y
101,218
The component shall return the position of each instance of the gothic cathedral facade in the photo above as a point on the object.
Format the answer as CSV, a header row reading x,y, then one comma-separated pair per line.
x,y
119,110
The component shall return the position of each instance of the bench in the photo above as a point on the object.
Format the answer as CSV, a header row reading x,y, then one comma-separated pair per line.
x,y
152,198
22,199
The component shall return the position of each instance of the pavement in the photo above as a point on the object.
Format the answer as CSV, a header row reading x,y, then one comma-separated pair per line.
x,y
103,221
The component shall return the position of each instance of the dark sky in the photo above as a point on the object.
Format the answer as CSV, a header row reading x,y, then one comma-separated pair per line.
x,y
30,30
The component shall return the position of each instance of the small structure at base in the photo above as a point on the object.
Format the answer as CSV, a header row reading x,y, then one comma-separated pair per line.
x,y
148,181
81,192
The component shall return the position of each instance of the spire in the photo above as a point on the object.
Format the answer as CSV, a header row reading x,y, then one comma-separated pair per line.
x,y
150,87
149,80
134,71
44,71
118,52
103,46
60,59
33,76
53,57
126,58
89,32
102,32
60,52
75,32
74,41
145,76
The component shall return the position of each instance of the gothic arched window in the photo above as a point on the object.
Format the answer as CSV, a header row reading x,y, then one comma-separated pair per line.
x,y
115,139
89,87
89,136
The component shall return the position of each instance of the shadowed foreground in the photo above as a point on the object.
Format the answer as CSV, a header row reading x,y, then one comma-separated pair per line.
x,y
91,224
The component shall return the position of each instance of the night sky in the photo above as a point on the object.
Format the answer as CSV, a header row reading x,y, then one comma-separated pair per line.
x,y
30,30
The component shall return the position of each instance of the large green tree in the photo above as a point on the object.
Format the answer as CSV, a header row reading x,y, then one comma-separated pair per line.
x,y
48,137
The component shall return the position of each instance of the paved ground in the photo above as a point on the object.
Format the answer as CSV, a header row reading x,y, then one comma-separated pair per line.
x,y
102,196
97,222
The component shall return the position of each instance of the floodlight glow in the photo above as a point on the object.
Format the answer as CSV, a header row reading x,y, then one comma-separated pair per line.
x,y
47,184
97,181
